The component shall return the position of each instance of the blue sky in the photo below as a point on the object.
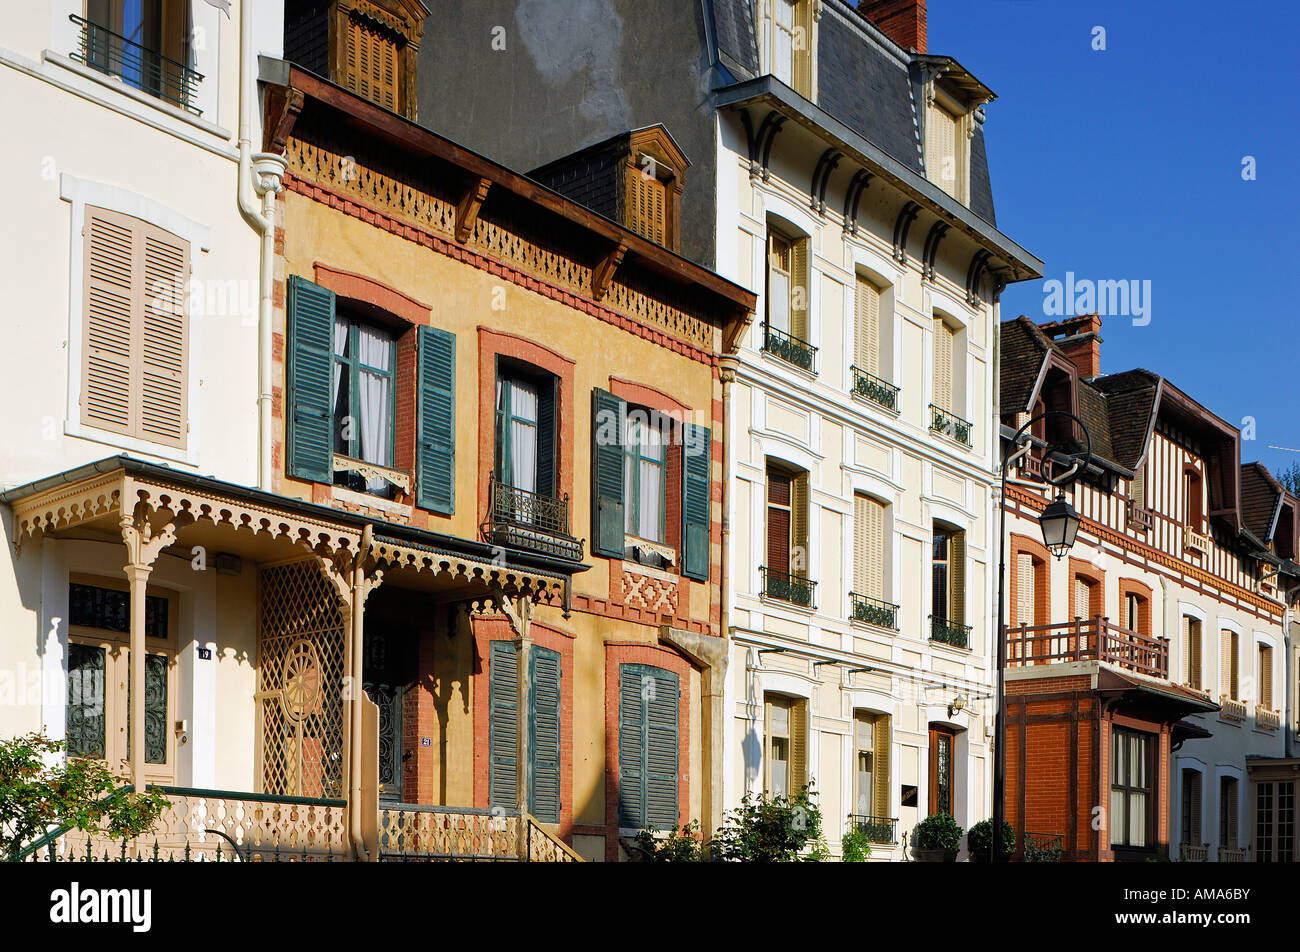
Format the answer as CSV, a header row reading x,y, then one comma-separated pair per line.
x,y
1127,164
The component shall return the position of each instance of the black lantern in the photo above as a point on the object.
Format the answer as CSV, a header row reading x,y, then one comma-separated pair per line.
x,y
1060,525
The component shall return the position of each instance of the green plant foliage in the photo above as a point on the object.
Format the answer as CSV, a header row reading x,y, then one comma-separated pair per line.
x,y
938,832
41,791
855,845
979,841
681,845
762,829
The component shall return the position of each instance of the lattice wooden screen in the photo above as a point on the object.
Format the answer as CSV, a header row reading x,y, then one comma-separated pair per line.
x,y
299,682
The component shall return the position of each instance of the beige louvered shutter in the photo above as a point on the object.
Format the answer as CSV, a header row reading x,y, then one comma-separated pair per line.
x,y
165,339
881,757
798,745
112,301
799,289
1024,590
1081,599
941,148
799,525
869,545
957,549
1225,664
803,20
942,365
1138,489
372,67
867,339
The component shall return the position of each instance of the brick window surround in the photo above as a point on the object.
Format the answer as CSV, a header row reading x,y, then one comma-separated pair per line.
x,y
491,345
1127,587
1020,545
632,652
1096,579
486,631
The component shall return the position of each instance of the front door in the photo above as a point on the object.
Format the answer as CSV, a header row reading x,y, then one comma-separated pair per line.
x,y
388,671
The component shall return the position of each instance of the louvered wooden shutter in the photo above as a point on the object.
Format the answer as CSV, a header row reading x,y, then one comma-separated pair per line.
x,y
798,745
1230,792
1024,590
697,460
1138,488
866,343
942,365
544,735
881,758
648,197
869,546
503,725
547,428
1194,807
136,332
799,290
1226,686
779,497
1266,677
435,468
661,748
1081,593
372,68
608,438
799,559
941,149
803,40
310,373
1192,641
957,554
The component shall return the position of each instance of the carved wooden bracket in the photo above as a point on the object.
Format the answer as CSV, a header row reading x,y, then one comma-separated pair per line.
x,y
518,610
283,105
468,207
143,541
602,276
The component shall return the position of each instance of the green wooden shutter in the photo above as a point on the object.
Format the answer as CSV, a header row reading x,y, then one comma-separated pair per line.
x,y
544,735
503,725
631,733
608,436
547,430
435,466
696,496
661,748
310,375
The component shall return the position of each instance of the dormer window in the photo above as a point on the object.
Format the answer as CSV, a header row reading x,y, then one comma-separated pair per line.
x,y
789,43
947,147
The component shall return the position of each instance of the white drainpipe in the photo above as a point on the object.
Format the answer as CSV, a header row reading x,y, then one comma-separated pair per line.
x,y
259,175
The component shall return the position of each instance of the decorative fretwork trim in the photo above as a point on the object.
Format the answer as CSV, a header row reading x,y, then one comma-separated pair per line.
x,y
373,471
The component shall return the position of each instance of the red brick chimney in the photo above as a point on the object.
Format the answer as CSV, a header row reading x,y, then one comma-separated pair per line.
x,y
903,21
1079,339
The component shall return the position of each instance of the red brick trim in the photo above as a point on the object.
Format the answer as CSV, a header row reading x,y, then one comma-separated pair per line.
x,y
1021,544
507,272
646,396
1128,586
1097,595
627,652
369,291
486,631
492,344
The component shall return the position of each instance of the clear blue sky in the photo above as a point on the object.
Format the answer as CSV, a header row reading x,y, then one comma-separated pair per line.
x,y
1127,164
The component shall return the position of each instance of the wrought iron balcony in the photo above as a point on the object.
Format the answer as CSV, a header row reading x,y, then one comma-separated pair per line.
x,y
789,348
138,66
787,587
948,424
880,392
527,520
1043,847
1087,639
873,611
879,829
949,632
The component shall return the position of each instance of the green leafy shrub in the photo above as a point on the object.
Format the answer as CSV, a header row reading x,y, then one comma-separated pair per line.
x,y
762,829
681,845
938,832
855,845
979,841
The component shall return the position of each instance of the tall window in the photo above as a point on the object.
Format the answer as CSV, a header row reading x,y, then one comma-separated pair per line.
x,y
364,364
871,756
786,730
1131,789
648,742
151,48
948,576
1191,808
543,725
790,43
645,474
1087,597
942,786
526,425
649,203
866,343
942,161
780,283
944,355
787,536
1029,606
869,555
1228,813
1193,500
1275,821
372,65
786,329
1229,665
1264,677
1192,651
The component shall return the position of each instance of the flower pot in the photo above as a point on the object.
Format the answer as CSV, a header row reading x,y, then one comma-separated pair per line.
x,y
936,856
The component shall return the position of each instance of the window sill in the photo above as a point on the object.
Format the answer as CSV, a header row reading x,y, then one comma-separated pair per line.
x,y
792,606
189,456
339,494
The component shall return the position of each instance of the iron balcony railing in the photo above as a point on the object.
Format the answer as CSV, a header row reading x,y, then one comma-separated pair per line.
x,y
873,611
532,521
1043,847
949,632
138,66
791,349
880,392
948,424
788,587
879,829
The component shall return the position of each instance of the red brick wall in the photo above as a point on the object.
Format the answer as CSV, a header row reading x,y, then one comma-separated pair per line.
x,y
903,21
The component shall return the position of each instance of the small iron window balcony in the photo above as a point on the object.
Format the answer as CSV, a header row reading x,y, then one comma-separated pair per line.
x,y
950,425
137,66
786,587
1043,847
880,392
949,632
881,830
791,349
873,611
526,520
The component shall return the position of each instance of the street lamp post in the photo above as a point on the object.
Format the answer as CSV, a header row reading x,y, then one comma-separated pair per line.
x,y
1060,525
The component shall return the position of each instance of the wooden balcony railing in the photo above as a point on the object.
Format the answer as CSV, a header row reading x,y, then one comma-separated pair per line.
x,y
1139,517
1087,639
138,66
529,520
873,611
1231,709
880,392
1267,718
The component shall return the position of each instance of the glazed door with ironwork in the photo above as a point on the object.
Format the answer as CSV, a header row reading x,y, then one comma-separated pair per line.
x,y
388,668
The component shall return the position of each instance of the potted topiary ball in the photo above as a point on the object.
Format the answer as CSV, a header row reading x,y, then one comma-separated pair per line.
x,y
979,841
936,839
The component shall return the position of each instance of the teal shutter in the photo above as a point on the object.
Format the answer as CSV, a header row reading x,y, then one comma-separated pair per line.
x,y
547,428
544,735
631,748
661,748
503,725
435,465
696,496
608,436
310,375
